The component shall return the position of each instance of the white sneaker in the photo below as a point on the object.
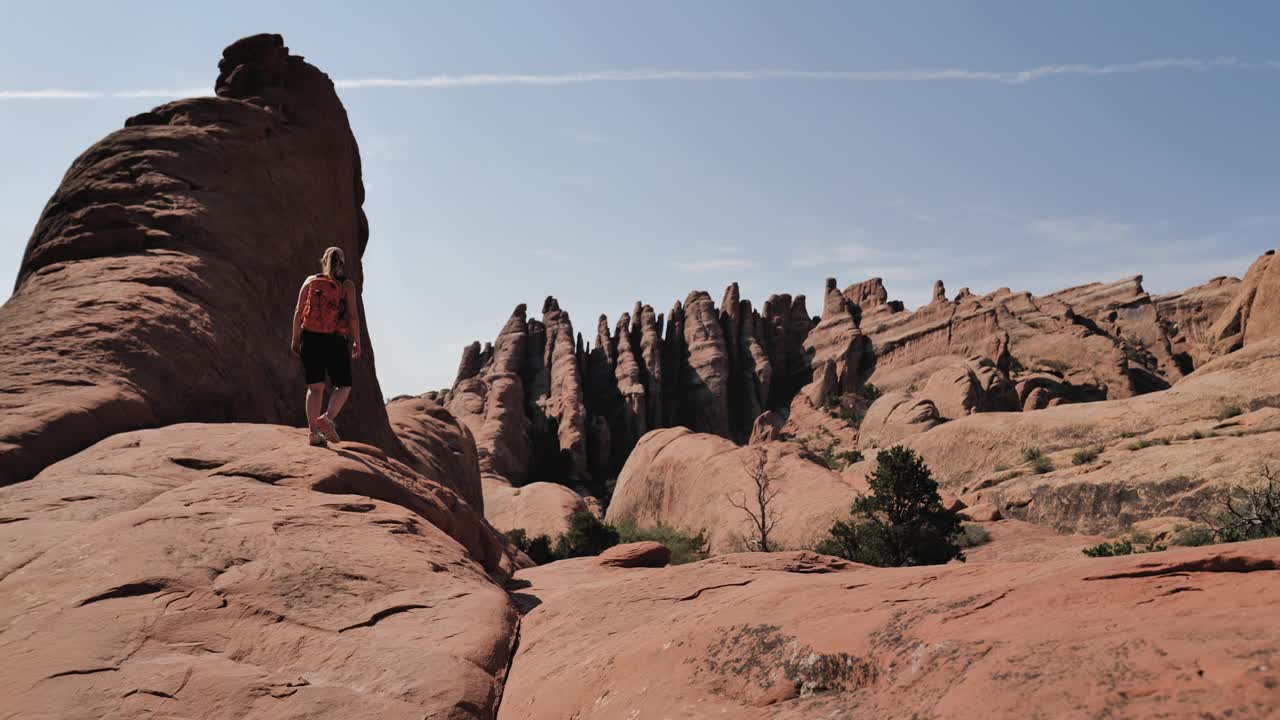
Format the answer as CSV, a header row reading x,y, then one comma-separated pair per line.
x,y
325,426
317,440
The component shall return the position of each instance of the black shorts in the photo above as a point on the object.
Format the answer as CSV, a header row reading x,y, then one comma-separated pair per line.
x,y
326,353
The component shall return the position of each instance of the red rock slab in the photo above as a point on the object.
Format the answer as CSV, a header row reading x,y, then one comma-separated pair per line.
x,y
1180,634
233,571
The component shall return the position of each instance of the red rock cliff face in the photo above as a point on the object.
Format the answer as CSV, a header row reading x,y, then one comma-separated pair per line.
x,y
160,281
717,370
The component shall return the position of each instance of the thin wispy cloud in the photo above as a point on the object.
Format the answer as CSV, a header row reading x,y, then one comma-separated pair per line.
x,y
925,74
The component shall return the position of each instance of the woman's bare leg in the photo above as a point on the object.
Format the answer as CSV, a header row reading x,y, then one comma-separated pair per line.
x,y
315,401
336,400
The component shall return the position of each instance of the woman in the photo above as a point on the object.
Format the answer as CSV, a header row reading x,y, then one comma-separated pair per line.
x,y
326,334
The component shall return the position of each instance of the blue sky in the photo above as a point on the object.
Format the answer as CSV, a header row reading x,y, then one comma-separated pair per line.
x,y
621,151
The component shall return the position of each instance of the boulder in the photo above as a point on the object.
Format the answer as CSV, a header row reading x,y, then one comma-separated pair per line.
x,y
691,481
440,447
230,570
796,635
895,416
160,281
648,554
539,508
973,387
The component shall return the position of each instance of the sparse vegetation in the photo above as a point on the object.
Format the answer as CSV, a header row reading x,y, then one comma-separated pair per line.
x,y
1229,411
587,535
537,548
1252,511
1086,455
972,535
1145,443
1040,463
824,445
1000,468
684,548
760,508
869,393
902,521
1107,549
1134,544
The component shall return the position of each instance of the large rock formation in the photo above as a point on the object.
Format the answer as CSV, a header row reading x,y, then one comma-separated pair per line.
x,y
546,408
1254,313
1169,453
794,635
225,570
160,281
1102,340
228,571
692,482
718,371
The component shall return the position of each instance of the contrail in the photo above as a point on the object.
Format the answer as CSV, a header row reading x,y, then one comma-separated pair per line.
x,y
939,74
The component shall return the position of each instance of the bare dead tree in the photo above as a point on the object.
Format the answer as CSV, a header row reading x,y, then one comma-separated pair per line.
x,y
1251,511
760,508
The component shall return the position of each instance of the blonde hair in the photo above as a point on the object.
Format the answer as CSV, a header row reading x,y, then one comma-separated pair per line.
x,y
333,262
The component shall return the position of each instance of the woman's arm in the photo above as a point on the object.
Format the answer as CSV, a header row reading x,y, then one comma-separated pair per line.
x,y
353,309
296,344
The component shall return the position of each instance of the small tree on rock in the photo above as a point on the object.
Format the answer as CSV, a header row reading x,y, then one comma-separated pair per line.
x,y
902,521
759,507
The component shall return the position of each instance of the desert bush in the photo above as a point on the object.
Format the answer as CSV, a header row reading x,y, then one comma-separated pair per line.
x,y
685,548
824,444
1250,511
587,535
902,522
1040,463
1148,442
1086,455
869,393
538,548
1106,549
972,535
1229,411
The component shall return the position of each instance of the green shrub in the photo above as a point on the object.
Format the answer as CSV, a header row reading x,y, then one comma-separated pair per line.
x,y
587,535
1084,456
684,548
1229,411
972,535
1032,454
869,393
1120,547
1000,468
902,522
1041,465
824,445
1196,435
1145,443
537,548
849,457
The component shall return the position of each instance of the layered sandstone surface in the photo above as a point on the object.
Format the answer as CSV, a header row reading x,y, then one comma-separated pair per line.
x,y
796,635
230,571
160,281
